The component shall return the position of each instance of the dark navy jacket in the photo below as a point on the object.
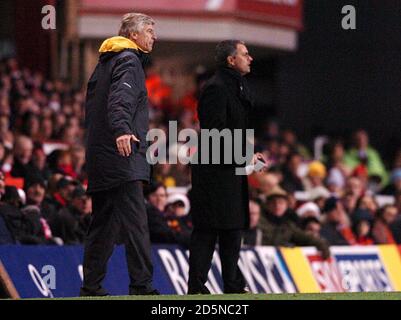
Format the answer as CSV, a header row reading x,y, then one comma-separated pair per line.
x,y
116,104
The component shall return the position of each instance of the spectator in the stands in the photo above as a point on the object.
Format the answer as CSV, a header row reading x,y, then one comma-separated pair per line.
x,y
78,160
39,160
23,227
75,218
156,195
264,182
291,180
51,187
315,176
31,125
177,214
6,159
363,153
40,217
11,219
64,189
367,202
312,226
337,170
64,164
23,166
5,234
336,226
163,175
354,190
318,195
6,135
362,226
159,230
349,202
290,138
46,129
355,186
307,210
381,231
253,235
395,183
278,230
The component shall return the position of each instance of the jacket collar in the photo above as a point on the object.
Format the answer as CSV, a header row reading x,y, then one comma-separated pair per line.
x,y
112,46
117,44
237,83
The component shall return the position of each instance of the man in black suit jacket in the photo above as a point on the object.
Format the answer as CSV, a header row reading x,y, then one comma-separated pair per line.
x,y
219,197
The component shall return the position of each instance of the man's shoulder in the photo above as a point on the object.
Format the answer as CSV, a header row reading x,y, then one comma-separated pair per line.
x,y
214,85
126,57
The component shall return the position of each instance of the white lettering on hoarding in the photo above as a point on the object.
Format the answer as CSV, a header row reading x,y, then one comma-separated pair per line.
x,y
173,271
270,261
81,272
43,284
249,259
327,276
261,268
364,275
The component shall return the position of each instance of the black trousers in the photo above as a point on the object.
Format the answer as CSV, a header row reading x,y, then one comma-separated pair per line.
x,y
118,214
203,243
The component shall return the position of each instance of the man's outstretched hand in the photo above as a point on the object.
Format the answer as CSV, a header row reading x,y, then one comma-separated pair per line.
x,y
124,144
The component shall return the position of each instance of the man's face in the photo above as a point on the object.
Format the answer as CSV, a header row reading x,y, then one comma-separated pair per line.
x,y
66,192
390,214
23,151
337,215
277,206
159,198
83,204
361,139
145,38
313,228
36,194
354,185
242,60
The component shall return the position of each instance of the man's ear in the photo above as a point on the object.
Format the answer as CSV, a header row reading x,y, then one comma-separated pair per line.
x,y
134,35
230,61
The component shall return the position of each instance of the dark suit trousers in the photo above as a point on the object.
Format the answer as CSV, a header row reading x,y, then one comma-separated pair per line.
x,y
118,214
203,244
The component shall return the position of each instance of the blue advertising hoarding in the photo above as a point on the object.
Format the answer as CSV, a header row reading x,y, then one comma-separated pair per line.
x,y
52,271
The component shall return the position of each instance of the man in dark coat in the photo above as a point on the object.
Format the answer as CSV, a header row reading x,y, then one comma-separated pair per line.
x,y
219,197
278,228
116,126
75,217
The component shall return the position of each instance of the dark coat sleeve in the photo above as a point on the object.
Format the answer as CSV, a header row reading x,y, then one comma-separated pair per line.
x,y
123,97
301,238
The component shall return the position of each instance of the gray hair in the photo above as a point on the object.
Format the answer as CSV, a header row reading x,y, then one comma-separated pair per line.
x,y
134,22
225,49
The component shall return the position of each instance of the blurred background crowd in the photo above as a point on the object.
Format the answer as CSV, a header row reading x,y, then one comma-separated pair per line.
x,y
338,192
326,116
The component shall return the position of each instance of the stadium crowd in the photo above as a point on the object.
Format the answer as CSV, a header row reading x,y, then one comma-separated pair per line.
x,y
346,197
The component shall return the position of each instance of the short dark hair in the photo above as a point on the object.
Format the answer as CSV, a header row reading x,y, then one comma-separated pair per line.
x,y
151,188
306,221
224,49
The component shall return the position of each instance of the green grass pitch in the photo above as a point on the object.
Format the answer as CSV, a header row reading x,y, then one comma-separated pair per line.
x,y
294,296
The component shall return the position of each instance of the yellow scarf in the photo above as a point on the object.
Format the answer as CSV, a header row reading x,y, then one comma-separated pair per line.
x,y
117,44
